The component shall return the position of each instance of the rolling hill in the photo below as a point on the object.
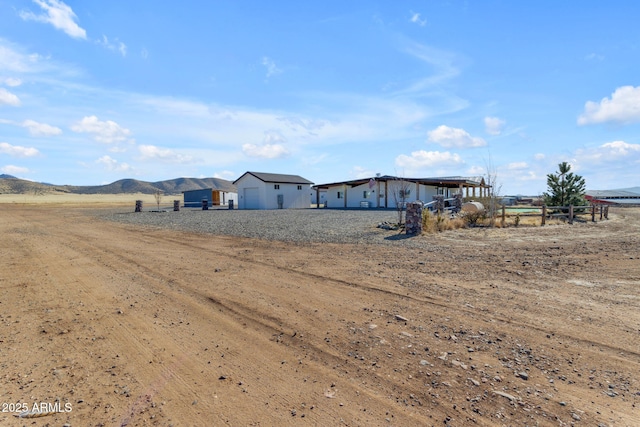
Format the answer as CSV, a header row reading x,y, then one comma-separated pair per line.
x,y
13,185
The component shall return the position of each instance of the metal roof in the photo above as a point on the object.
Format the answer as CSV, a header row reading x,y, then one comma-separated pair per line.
x,y
612,194
276,177
635,201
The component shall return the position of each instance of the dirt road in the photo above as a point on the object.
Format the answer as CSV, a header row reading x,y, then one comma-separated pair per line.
x,y
110,325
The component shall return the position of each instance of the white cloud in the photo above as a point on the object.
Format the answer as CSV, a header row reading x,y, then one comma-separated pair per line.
x,y
151,152
271,148
12,82
540,156
415,18
453,137
14,59
14,170
493,125
610,165
271,67
594,56
113,165
623,107
358,172
424,159
265,151
611,152
314,159
517,165
444,68
8,98
11,60
476,171
17,151
348,118
621,148
272,137
228,175
40,129
113,46
108,132
57,14
529,175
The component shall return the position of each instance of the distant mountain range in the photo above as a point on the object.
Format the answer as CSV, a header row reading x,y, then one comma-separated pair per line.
x,y
11,185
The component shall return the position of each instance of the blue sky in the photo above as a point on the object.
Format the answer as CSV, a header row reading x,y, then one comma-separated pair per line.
x,y
93,92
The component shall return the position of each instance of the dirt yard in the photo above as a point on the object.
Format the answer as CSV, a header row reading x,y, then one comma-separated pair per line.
x,y
111,325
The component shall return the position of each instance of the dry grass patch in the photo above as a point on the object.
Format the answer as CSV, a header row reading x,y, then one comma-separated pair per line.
x,y
72,199
434,222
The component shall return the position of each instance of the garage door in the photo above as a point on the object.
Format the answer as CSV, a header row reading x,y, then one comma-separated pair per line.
x,y
251,198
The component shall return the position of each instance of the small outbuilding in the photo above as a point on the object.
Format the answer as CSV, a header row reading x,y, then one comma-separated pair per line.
x,y
214,197
260,190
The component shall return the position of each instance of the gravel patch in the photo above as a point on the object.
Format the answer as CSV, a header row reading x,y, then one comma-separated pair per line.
x,y
291,225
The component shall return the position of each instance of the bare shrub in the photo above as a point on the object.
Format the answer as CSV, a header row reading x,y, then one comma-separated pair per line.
x,y
473,218
456,223
158,196
400,190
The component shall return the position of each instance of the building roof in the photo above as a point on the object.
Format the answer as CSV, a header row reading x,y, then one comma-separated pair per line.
x,y
612,194
197,189
276,177
629,202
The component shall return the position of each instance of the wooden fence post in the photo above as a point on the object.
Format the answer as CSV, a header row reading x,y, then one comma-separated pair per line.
x,y
593,213
606,212
570,214
138,205
544,214
601,211
503,216
176,205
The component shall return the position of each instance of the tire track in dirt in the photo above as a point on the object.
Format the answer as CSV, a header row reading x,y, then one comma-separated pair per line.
x,y
114,261
254,321
305,275
127,341
118,261
432,301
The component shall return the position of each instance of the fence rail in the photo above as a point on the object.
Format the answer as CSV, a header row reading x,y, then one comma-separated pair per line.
x,y
568,212
449,206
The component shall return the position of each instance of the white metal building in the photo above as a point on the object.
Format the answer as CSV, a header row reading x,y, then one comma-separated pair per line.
x,y
259,190
385,191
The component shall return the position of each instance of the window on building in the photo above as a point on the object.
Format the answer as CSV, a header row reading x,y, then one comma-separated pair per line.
x,y
340,194
276,186
299,187
365,194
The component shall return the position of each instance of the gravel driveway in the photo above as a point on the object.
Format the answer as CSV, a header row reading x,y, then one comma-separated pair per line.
x,y
294,225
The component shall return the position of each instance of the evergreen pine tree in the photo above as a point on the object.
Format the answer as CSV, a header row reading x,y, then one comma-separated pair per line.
x,y
565,188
